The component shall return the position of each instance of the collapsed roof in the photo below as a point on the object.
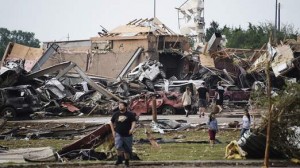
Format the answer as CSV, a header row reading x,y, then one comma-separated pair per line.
x,y
141,27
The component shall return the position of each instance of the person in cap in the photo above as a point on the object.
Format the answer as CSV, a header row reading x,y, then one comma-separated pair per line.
x,y
123,126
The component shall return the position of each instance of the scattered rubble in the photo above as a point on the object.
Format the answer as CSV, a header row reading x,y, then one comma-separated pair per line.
x,y
73,88
162,126
44,130
88,142
254,145
148,65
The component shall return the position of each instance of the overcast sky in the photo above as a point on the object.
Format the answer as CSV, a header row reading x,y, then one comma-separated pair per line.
x,y
81,19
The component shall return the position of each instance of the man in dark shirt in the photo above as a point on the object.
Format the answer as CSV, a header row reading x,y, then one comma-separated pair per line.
x,y
203,98
122,126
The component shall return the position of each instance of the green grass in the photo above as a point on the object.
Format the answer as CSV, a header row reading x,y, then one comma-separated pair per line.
x,y
185,151
167,151
182,151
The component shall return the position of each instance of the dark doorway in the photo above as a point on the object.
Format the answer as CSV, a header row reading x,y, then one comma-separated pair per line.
x,y
174,64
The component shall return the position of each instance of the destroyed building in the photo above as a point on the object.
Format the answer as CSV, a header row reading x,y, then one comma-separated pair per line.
x,y
109,53
286,59
15,53
156,56
227,64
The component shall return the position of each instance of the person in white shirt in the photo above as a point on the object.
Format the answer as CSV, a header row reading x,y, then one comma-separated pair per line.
x,y
187,101
246,122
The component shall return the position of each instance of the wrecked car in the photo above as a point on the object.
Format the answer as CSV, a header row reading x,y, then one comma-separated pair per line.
x,y
147,72
233,94
167,102
173,92
18,100
171,103
142,104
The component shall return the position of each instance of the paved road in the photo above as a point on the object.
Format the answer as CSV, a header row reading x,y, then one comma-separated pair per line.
x,y
194,119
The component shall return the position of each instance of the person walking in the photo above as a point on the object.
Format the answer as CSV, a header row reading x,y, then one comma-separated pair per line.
x,y
123,125
203,98
187,101
219,96
246,122
212,129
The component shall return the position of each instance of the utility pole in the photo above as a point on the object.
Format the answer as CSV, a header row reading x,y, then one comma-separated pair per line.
x,y
275,29
154,8
154,110
278,17
270,109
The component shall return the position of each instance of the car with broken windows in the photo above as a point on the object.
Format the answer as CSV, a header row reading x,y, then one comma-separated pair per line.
x,y
236,94
18,101
233,94
167,102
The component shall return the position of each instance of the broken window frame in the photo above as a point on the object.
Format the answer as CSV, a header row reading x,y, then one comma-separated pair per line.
x,y
96,49
18,93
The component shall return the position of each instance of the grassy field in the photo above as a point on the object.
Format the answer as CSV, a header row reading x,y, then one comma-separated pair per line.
x,y
181,150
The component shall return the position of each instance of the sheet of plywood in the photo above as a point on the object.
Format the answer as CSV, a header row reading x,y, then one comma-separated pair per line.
x,y
282,60
20,52
284,53
24,52
207,61
130,29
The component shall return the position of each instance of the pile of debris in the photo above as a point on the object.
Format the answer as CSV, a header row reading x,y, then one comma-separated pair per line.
x,y
285,130
29,131
83,149
87,137
135,62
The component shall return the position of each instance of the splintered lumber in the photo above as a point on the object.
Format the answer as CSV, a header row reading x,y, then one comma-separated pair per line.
x,y
90,141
